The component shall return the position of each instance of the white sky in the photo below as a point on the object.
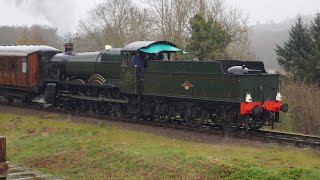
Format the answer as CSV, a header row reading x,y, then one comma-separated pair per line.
x,y
258,10
276,10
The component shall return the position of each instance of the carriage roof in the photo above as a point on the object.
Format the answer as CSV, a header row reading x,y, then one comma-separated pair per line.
x,y
24,50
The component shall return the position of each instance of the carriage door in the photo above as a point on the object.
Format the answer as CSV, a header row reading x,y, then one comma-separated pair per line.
x,y
13,68
128,73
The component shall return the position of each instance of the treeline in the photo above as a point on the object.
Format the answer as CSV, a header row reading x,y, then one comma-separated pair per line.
x,y
36,34
199,26
300,55
300,58
208,29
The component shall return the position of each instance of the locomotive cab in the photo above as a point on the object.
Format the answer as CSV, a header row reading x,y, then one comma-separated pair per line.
x,y
137,57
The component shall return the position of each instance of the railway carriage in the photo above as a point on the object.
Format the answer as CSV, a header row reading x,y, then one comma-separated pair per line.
x,y
23,70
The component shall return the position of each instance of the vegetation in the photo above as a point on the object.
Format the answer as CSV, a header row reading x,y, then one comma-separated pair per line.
x,y
300,55
300,58
84,151
109,23
119,22
304,113
208,38
30,35
33,36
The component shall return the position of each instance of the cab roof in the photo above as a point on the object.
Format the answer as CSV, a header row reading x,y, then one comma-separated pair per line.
x,y
138,45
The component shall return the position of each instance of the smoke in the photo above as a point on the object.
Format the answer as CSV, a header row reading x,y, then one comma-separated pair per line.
x,y
58,13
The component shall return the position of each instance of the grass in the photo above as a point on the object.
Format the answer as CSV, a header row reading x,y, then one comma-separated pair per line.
x,y
86,151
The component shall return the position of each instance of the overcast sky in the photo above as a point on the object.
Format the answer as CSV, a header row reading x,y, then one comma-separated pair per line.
x,y
25,12
276,10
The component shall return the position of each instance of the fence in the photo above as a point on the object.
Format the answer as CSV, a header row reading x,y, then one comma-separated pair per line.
x,y
3,159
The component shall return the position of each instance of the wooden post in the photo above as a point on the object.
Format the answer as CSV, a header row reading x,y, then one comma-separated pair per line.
x,y
3,158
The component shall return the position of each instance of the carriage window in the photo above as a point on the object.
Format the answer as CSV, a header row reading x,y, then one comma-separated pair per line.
x,y
13,66
3,66
24,65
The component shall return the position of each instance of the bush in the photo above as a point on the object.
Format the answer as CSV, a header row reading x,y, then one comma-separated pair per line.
x,y
304,111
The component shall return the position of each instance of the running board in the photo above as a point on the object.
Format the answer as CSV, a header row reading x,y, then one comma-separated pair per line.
x,y
98,99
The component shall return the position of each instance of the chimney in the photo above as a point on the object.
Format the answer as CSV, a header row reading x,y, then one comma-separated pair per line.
x,y
68,47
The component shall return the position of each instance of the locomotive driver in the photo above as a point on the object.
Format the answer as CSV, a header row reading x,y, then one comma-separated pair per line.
x,y
137,60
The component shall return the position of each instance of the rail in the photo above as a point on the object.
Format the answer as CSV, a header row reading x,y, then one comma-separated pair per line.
x,y
298,140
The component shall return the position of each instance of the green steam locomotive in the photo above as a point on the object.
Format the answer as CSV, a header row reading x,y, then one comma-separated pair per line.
x,y
146,80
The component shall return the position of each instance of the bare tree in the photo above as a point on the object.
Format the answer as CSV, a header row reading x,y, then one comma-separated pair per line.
x,y
118,22
115,22
171,19
32,35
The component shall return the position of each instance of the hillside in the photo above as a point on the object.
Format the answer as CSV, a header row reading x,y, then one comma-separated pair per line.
x,y
266,36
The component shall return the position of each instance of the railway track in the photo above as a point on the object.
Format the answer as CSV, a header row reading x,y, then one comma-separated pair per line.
x,y
298,140
281,138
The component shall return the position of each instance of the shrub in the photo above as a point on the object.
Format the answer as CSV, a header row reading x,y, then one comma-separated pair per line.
x,y
304,111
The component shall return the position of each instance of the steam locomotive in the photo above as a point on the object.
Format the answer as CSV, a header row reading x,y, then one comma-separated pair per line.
x,y
226,94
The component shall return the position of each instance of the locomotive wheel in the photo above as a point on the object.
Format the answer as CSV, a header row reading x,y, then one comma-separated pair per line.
x,y
116,110
161,119
96,107
194,119
104,108
230,121
26,99
215,115
10,99
84,105
255,123
194,122
161,115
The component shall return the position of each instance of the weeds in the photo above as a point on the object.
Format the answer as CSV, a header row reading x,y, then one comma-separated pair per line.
x,y
304,111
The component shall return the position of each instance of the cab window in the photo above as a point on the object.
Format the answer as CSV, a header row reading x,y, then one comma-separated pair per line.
x,y
125,62
99,58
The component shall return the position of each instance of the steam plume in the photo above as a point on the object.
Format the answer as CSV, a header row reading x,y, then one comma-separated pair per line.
x,y
58,13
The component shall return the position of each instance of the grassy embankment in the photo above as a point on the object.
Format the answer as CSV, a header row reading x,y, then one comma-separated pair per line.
x,y
85,151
